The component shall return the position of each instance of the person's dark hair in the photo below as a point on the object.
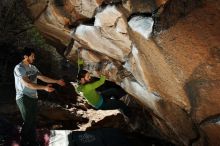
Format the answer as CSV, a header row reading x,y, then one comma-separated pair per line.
x,y
27,51
81,74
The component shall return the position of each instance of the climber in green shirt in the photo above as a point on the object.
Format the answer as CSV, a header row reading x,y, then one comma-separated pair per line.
x,y
89,90
107,99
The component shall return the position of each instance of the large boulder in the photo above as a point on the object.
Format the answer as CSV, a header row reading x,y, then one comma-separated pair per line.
x,y
174,74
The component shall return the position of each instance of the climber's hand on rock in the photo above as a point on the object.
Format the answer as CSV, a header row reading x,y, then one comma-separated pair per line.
x,y
107,73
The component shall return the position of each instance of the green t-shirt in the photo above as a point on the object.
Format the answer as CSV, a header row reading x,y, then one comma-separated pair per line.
x,y
90,93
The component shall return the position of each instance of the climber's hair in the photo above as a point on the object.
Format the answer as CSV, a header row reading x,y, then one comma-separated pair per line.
x,y
82,74
27,51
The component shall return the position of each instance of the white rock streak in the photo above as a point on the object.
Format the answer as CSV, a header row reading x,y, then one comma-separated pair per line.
x,y
144,96
59,137
142,25
134,65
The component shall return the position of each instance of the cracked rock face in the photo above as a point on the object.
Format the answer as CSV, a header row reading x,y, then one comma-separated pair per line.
x,y
174,74
111,28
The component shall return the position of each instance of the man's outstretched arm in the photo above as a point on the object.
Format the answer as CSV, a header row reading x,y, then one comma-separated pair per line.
x,y
27,83
50,80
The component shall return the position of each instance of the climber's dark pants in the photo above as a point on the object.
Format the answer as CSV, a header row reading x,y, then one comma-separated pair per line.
x,y
111,100
28,109
113,92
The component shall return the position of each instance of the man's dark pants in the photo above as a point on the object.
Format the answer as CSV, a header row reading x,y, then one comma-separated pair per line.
x,y
28,109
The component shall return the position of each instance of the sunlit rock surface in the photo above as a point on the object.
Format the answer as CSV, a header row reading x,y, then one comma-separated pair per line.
x,y
142,25
110,26
170,65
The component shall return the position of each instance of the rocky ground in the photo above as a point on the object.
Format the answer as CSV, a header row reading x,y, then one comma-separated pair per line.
x,y
60,112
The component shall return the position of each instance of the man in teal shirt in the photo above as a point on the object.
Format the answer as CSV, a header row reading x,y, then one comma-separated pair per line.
x,y
105,100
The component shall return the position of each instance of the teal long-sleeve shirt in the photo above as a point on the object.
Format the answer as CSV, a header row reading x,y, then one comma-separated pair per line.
x,y
90,93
